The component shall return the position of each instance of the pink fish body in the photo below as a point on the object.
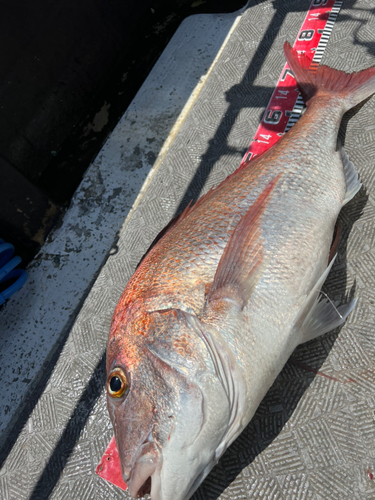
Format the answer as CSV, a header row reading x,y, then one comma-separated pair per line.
x,y
217,306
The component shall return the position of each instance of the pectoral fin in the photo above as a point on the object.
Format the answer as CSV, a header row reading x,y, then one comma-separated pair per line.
x,y
238,269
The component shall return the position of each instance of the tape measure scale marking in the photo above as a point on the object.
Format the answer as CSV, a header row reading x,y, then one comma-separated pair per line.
x,y
286,103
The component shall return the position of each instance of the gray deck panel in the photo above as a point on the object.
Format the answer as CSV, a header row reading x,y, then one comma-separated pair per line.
x,y
34,323
313,436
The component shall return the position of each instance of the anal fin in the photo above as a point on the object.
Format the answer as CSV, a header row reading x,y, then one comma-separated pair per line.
x,y
324,317
353,184
318,317
335,241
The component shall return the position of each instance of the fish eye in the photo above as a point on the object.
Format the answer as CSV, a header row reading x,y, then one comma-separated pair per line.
x,y
117,384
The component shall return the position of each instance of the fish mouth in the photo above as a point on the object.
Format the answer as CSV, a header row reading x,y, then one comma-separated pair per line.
x,y
145,474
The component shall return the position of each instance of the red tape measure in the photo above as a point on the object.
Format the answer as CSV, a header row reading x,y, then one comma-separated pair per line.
x,y
282,112
286,103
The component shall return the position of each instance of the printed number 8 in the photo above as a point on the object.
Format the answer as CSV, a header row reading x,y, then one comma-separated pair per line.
x,y
306,35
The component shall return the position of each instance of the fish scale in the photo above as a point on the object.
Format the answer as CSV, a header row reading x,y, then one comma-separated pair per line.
x,y
238,194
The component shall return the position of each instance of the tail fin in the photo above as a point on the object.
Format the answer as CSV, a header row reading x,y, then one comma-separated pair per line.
x,y
353,88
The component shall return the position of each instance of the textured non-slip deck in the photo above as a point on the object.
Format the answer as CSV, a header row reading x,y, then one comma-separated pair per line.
x,y
313,436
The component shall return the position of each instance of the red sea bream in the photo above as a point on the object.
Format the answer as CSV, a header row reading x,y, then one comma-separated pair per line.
x,y
220,302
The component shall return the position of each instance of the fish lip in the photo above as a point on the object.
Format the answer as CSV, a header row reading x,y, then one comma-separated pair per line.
x,y
139,479
147,463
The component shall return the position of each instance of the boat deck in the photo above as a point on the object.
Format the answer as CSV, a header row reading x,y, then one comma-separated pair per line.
x,y
313,436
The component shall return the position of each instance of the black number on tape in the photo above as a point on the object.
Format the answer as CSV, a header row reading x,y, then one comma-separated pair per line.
x,y
306,35
273,116
285,74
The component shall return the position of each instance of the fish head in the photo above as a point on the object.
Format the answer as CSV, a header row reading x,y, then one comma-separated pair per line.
x,y
170,410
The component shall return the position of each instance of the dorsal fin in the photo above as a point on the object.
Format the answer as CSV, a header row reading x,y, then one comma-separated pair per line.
x,y
244,251
171,224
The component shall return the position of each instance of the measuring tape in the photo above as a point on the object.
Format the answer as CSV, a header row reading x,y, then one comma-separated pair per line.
x,y
286,103
282,112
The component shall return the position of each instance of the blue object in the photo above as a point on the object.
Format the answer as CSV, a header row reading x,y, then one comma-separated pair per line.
x,y
7,271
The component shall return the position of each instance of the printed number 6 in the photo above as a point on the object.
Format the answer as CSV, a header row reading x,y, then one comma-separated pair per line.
x,y
273,116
